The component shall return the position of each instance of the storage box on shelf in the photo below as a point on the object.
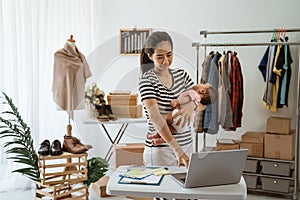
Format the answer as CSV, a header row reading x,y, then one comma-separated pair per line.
x,y
127,111
254,142
280,146
125,105
122,100
278,125
62,176
274,171
227,144
267,175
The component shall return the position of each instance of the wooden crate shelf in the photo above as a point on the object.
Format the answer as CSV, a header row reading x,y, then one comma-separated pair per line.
x,y
64,191
66,168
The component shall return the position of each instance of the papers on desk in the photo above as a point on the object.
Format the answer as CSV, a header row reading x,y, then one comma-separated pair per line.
x,y
143,175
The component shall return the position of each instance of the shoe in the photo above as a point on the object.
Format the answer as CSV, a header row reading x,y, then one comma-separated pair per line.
x,y
101,113
56,149
44,149
108,112
73,145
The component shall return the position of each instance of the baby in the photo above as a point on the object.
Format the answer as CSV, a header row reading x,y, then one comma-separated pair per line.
x,y
201,94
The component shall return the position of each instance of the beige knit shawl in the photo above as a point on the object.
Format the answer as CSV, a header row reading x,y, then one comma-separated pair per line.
x,y
70,73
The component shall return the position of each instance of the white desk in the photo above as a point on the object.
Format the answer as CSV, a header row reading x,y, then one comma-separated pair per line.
x,y
124,122
169,188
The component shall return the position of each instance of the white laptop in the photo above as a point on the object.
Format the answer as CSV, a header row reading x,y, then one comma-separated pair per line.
x,y
213,168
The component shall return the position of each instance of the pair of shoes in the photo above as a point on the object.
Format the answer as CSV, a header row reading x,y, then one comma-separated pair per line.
x,y
54,150
73,145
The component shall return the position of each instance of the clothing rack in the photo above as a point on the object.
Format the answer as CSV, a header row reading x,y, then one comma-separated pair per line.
x,y
205,32
197,45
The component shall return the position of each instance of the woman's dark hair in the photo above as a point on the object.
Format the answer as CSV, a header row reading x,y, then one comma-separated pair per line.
x,y
149,47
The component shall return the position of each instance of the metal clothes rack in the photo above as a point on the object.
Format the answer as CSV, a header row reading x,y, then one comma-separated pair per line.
x,y
197,45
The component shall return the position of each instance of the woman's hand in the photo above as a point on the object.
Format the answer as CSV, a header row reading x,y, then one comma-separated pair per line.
x,y
183,159
186,113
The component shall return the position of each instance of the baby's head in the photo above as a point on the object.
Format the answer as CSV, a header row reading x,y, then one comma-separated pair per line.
x,y
207,92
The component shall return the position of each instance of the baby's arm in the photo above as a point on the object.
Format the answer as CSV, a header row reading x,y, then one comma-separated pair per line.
x,y
187,96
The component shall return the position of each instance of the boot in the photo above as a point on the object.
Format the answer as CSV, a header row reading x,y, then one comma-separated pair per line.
x,y
102,116
73,145
108,112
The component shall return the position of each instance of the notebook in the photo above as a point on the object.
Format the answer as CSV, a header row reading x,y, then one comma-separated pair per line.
x,y
213,168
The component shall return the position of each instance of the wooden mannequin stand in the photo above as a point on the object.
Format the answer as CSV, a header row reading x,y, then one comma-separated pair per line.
x,y
69,160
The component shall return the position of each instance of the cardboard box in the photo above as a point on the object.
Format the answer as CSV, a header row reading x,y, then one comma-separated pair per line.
x,y
254,150
128,154
122,100
253,137
127,111
99,187
278,125
254,142
280,146
226,145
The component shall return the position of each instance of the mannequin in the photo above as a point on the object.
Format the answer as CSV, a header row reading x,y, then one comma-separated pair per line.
x,y
71,42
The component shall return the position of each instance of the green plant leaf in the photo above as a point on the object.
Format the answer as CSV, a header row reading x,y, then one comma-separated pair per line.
x,y
21,145
97,168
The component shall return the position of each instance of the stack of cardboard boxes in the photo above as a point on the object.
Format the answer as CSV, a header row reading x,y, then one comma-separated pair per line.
x,y
125,105
277,142
279,139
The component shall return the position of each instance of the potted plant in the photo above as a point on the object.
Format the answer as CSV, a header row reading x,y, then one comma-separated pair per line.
x,y
97,167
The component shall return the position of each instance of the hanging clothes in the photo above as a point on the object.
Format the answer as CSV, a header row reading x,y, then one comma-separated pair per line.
x,y
276,69
237,92
275,65
268,74
199,116
71,71
225,110
285,76
211,124
224,73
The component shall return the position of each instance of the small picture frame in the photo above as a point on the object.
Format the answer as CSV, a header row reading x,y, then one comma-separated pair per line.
x,y
132,40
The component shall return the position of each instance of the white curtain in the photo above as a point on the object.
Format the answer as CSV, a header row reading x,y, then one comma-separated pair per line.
x,y
31,31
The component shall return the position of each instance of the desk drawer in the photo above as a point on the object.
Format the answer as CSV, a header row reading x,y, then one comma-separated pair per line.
x,y
276,168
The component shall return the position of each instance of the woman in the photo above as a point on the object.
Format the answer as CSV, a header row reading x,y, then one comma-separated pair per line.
x,y
159,85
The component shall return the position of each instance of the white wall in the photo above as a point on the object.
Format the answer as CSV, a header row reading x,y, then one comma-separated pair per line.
x,y
183,20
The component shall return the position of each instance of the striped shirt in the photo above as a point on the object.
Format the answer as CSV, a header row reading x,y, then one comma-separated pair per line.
x,y
150,87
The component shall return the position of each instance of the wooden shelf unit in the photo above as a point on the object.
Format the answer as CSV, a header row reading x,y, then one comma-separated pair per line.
x,y
63,176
